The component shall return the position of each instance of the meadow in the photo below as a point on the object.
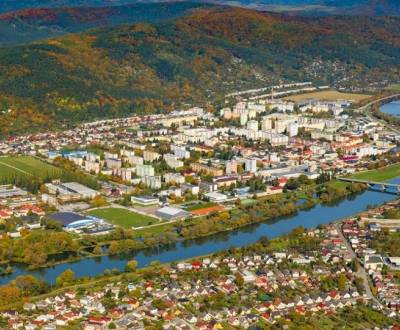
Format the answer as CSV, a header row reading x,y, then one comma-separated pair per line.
x,y
382,174
328,95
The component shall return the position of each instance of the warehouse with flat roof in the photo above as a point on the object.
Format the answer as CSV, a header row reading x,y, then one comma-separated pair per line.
x,y
171,213
71,191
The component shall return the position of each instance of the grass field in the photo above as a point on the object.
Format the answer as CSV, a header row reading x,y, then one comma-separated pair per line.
x,y
394,87
328,95
381,174
248,202
26,165
155,230
123,217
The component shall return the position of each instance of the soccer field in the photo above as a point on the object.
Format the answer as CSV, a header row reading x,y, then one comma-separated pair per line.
x,y
28,166
123,217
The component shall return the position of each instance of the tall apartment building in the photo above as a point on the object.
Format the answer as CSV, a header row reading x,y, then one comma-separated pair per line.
x,y
150,156
250,165
153,182
173,161
144,170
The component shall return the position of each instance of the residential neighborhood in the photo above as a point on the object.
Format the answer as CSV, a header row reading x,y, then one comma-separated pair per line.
x,y
316,277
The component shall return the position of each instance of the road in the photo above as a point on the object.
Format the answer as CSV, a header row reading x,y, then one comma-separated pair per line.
x,y
364,107
364,110
361,271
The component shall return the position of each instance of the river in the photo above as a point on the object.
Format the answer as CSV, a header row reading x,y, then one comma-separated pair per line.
x,y
392,108
207,245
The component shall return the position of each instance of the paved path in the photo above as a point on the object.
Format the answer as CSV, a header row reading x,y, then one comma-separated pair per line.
x,y
361,271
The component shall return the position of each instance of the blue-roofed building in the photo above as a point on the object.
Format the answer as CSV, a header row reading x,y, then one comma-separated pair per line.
x,y
71,220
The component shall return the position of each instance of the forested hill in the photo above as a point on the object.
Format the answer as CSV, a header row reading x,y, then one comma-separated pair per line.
x,y
304,7
29,25
191,60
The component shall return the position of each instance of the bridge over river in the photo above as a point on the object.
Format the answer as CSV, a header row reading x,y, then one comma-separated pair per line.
x,y
384,186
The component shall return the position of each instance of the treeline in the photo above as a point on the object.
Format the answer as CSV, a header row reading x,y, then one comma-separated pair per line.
x,y
383,160
35,247
328,193
191,60
390,119
246,215
28,182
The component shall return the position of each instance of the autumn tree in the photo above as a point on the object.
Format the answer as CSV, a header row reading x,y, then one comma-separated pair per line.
x,y
65,278
97,250
9,294
131,265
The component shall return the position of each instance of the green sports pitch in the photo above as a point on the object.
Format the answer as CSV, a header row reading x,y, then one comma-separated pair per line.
x,y
123,217
26,166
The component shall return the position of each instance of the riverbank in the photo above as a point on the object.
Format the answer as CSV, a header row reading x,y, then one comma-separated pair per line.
x,y
192,248
392,120
98,282
267,209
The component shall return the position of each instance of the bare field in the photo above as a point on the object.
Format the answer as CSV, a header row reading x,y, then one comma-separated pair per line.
x,y
328,95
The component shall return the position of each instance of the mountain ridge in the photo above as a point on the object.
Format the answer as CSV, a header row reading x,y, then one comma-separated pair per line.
x,y
195,59
33,24
302,7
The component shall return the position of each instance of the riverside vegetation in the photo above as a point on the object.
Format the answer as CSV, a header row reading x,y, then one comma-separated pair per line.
x,y
39,248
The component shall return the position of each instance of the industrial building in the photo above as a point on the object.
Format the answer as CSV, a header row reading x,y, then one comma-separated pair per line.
x,y
70,191
172,213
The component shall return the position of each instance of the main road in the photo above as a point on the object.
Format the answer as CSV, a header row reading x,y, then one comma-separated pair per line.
x,y
364,110
364,107
361,271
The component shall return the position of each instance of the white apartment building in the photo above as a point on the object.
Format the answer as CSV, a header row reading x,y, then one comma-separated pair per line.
x,y
266,124
92,167
278,140
92,157
250,165
173,161
243,118
123,173
150,156
110,155
180,152
252,125
174,178
292,129
281,105
113,163
153,182
144,170
135,160
231,167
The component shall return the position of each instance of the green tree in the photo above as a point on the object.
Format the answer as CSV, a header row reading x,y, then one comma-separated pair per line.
x,y
65,278
342,282
97,250
113,248
131,266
